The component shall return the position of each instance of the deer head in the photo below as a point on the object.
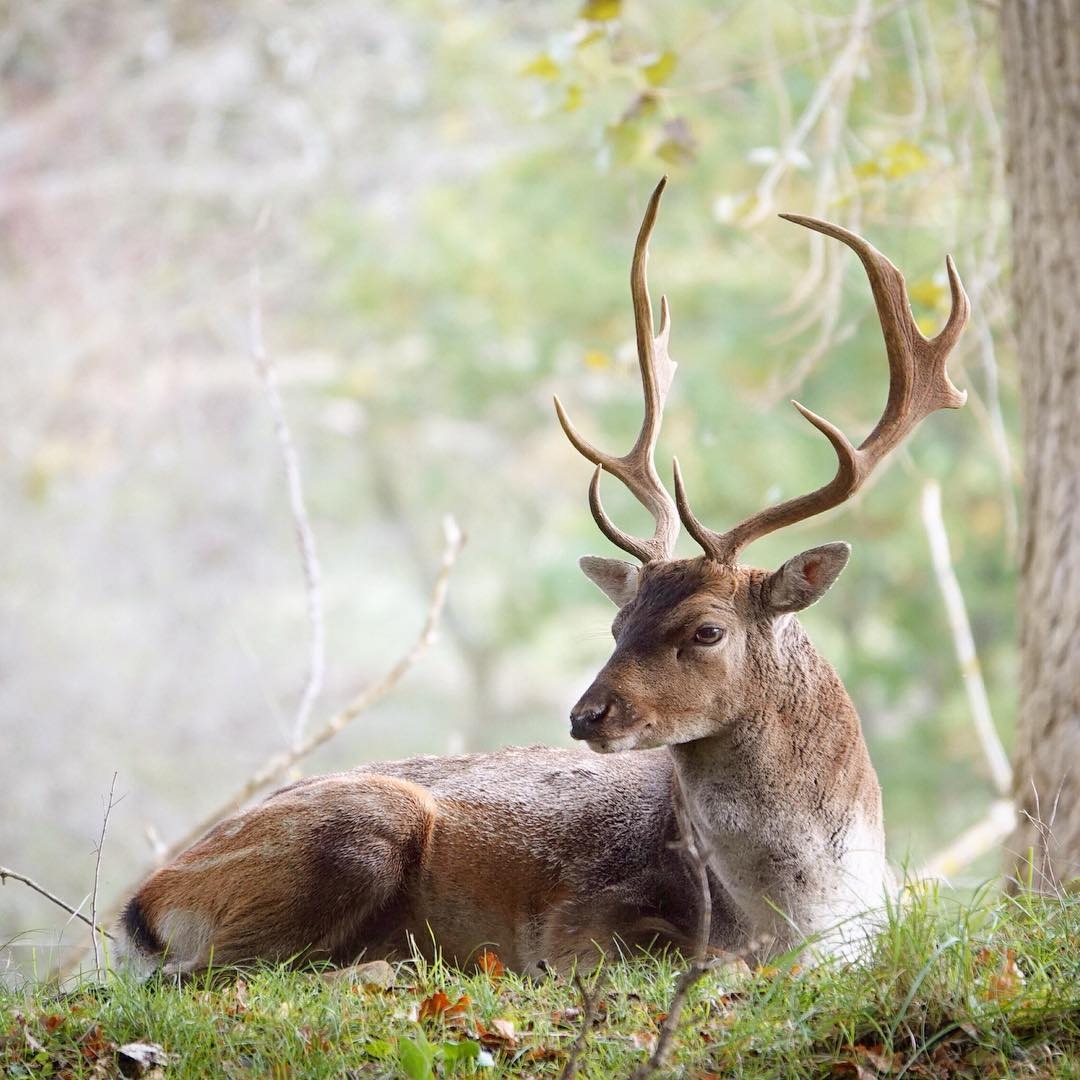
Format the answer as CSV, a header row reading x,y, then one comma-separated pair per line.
x,y
700,643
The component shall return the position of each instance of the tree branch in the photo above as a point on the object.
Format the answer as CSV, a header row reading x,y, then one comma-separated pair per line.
x,y
963,641
6,872
305,537
97,874
689,843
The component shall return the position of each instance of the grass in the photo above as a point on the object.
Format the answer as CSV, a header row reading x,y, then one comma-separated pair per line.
x,y
980,988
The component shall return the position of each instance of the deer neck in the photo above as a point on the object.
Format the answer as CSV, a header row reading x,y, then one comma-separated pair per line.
x,y
786,800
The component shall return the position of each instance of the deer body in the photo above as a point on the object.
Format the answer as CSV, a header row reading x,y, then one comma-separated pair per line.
x,y
740,743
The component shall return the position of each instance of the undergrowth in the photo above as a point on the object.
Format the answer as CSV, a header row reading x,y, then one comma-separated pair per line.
x,y
974,989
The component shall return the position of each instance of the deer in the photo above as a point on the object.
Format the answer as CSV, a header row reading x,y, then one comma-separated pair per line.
x,y
714,712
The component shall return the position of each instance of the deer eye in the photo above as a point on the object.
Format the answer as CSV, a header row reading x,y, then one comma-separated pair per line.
x,y
708,635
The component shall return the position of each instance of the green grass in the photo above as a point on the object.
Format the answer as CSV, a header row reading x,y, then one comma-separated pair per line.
x,y
978,989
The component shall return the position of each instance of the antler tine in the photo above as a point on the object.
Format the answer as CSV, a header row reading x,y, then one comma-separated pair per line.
x,y
636,468
918,385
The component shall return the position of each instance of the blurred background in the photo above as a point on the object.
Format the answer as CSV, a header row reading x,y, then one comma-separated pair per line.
x,y
442,198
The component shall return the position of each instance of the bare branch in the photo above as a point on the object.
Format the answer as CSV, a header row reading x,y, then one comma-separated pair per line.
x,y
963,641
588,1016
690,843
305,537
97,874
985,835
837,82
6,872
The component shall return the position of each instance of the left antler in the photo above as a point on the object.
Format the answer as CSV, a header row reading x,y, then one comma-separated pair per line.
x,y
636,468
918,385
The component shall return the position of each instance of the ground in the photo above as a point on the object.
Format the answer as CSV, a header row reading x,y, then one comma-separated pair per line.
x,y
973,988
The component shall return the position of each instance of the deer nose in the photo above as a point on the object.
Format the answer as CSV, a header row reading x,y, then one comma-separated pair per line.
x,y
586,715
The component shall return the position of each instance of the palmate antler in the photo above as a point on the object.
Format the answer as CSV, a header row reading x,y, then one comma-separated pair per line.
x,y
918,386
636,468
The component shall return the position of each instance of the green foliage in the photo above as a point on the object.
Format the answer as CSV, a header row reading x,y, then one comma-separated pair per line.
x,y
952,989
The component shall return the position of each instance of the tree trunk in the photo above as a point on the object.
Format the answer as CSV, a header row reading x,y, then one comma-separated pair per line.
x,y
1041,60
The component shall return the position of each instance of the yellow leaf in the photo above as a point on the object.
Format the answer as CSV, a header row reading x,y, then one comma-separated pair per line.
x,y
902,159
927,326
927,292
575,97
542,67
598,360
658,71
627,141
590,38
865,169
600,10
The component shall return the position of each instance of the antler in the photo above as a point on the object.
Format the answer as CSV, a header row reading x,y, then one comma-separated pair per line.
x,y
636,468
918,385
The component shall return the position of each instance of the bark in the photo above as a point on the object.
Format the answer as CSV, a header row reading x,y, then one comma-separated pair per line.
x,y
1041,61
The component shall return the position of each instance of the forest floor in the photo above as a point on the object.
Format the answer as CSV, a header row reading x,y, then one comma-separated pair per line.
x,y
980,988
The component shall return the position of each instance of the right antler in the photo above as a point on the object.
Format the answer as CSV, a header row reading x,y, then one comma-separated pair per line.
x,y
636,468
918,385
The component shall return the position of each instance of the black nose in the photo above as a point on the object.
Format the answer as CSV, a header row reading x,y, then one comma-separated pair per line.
x,y
586,715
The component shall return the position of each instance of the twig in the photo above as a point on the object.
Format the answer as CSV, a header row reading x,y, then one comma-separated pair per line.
x,y
588,1015
964,642
6,872
985,835
837,79
305,538
97,874
690,844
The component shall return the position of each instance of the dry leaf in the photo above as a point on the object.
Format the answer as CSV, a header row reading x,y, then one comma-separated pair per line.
x,y
138,1059
373,973
438,1004
489,963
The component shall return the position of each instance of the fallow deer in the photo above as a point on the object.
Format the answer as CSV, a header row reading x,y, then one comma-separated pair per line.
x,y
545,854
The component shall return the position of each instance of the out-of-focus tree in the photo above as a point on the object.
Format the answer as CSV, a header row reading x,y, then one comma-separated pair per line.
x,y
1041,52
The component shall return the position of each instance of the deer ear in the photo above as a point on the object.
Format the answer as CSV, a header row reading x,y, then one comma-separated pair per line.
x,y
616,579
806,578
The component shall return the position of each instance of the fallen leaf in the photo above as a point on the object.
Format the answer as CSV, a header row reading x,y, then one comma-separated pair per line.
x,y
138,1058
373,973
489,963
438,1004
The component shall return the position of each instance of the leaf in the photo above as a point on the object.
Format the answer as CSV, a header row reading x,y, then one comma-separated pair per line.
x,y
627,141
438,1004
679,145
898,160
137,1059
500,1036
575,98
542,67
489,962
1007,981
927,292
373,973
416,1060
454,1054
600,10
597,360
658,71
